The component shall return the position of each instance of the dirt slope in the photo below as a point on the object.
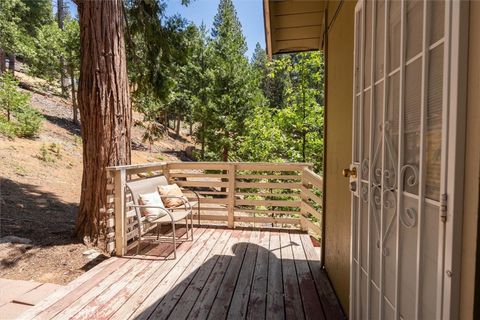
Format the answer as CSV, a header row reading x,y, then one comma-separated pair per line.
x,y
40,191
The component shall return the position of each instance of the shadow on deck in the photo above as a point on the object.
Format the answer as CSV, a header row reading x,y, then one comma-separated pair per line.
x,y
222,273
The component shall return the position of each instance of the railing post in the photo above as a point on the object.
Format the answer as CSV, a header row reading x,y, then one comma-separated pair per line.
x,y
231,195
303,197
120,180
166,172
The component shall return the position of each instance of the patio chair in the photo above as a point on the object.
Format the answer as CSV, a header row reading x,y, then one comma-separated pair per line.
x,y
172,215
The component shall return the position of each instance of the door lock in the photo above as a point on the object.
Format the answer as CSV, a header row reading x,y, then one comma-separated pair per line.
x,y
347,173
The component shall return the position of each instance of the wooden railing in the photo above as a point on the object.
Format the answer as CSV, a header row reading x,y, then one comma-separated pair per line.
x,y
278,195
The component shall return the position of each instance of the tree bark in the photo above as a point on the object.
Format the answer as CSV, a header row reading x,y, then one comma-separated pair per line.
x,y
2,61
177,127
11,63
202,132
60,21
74,96
105,109
225,153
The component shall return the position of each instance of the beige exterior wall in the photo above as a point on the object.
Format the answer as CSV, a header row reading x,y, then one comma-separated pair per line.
x,y
472,167
339,57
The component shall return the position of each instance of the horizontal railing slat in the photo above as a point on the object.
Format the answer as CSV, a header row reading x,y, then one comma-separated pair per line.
x,y
309,209
313,178
268,220
274,212
311,226
267,185
307,193
272,203
268,176
207,184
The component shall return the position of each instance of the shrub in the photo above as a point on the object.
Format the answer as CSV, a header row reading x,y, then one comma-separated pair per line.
x,y
7,128
50,152
18,118
29,122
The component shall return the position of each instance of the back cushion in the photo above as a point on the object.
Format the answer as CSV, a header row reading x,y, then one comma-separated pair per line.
x,y
152,199
171,190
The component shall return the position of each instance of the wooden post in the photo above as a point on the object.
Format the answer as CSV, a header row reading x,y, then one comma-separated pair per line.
x,y
166,172
231,195
120,181
303,212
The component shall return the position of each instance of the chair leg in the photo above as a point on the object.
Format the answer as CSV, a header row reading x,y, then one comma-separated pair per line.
x,y
191,224
186,226
174,242
139,238
198,211
158,231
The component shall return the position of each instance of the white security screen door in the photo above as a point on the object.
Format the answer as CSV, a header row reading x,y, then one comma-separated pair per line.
x,y
398,175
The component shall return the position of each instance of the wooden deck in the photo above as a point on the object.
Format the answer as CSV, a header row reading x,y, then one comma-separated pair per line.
x,y
223,273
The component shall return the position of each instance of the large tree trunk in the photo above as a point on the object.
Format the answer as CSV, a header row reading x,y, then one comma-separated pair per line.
x,y
104,103
3,59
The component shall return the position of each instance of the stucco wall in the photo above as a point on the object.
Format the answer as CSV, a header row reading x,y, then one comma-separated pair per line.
x,y
338,142
472,167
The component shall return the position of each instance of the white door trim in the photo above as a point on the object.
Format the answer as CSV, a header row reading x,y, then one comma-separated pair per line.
x,y
457,81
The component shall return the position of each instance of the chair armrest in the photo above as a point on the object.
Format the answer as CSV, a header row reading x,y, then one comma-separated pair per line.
x,y
184,200
194,192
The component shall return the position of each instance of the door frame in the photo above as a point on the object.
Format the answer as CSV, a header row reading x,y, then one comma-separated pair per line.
x,y
457,39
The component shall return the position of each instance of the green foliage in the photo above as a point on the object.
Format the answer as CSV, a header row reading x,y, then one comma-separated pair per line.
x,y
71,45
48,46
13,36
293,130
49,152
11,100
234,93
28,122
19,24
45,155
7,128
18,118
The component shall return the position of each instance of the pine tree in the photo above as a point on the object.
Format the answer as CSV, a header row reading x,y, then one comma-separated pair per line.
x,y
234,91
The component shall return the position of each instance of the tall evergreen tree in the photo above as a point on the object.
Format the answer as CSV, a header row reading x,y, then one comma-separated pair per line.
x,y
234,91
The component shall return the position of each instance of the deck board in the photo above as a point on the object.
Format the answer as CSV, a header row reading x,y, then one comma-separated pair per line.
x,y
257,301
292,297
221,303
275,302
163,310
222,273
189,297
204,302
135,301
239,304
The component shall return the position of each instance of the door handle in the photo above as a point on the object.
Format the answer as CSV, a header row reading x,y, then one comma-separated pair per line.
x,y
347,173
